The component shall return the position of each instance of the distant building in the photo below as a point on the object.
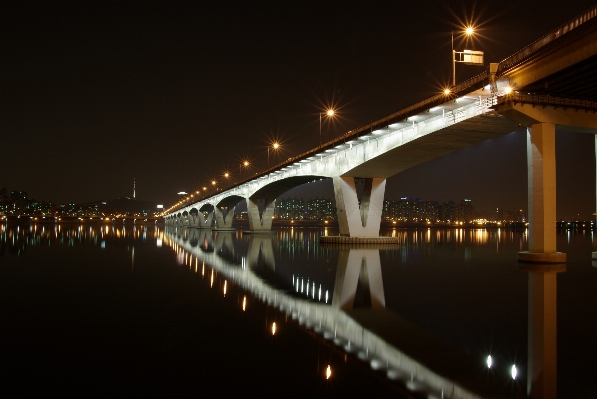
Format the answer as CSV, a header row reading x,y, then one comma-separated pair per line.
x,y
320,209
465,211
411,210
290,208
448,211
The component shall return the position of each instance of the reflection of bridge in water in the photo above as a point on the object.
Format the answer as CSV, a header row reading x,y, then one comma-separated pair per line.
x,y
385,340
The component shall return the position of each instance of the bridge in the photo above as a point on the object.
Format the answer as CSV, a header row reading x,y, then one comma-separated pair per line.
x,y
545,86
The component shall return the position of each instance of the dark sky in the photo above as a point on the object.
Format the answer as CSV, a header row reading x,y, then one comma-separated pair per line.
x,y
94,94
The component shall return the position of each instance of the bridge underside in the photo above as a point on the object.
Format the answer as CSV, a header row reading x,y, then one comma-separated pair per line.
x,y
423,149
277,188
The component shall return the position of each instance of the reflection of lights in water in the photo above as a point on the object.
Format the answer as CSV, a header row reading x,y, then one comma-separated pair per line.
x,y
313,291
514,372
159,242
274,328
244,303
225,286
212,278
326,296
328,372
203,270
302,283
320,292
307,287
196,264
489,361
133,259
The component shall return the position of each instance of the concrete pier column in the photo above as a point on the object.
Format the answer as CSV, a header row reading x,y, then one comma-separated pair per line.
x,y
224,220
541,169
355,220
263,221
194,220
206,220
261,244
594,255
356,267
542,330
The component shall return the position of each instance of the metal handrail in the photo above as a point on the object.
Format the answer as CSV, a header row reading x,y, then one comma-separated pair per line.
x,y
540,99
545,40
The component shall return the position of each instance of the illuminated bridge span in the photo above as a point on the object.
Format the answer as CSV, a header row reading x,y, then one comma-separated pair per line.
x,y
548,85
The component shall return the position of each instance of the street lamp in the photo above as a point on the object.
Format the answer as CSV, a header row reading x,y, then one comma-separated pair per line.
x,y
246,164
329,113
275,146
469,57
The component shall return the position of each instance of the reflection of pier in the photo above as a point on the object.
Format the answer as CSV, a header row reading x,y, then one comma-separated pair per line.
x,y
261,244
359,267
385,340
542,328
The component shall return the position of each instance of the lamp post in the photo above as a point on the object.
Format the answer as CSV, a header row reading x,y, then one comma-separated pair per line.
x,y
245,164
467,56
329,113
275,146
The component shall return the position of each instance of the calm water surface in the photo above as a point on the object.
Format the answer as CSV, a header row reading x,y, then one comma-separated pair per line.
x,y
92,310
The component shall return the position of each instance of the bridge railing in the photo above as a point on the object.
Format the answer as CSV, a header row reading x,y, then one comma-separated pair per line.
x,y
532,48
537,99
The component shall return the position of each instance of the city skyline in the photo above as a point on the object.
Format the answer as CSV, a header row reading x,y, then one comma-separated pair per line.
x,y
174,95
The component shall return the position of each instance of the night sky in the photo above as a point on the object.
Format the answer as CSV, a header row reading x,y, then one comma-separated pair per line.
x,y
94,94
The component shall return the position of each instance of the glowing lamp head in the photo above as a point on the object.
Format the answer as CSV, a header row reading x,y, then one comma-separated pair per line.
x,y
508,90
330,112
446,92
469,31
276,146
226,175
213,182
246,163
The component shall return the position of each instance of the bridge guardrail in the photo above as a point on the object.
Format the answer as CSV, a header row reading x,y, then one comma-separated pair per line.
x,y
537,45
537,99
